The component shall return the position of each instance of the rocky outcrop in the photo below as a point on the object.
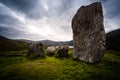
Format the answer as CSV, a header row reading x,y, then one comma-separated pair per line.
x,y
36,49
88,33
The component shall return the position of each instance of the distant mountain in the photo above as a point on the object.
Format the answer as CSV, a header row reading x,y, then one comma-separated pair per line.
x,y
23,40
9,44
113,40
48,42
2,37
55,43
19,44
70,43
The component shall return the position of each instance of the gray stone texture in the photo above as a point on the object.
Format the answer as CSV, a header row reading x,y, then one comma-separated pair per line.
x,y
88,33
36,49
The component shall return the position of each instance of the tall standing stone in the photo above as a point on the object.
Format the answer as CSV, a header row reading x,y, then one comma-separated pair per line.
x,y
89,33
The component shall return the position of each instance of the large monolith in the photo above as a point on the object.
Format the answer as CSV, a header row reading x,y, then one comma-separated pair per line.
x,y
88,33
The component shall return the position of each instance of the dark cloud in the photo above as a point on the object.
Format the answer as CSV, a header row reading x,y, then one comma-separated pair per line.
x,y
112,8
49,19
9,31
8,20
20,5
38,8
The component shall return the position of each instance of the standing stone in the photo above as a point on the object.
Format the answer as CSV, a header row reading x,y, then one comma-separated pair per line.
x,y
62,51
89,33
36,49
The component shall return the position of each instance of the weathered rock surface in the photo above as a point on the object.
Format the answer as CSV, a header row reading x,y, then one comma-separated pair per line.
x,y
88,33
62,51
36,49
51,50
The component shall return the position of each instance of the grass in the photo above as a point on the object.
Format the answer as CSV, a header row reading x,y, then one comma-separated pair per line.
x,y
51,68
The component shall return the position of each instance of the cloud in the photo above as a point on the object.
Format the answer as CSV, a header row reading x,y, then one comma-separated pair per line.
x,y
112,8
112,15
20,5
10,31
48,19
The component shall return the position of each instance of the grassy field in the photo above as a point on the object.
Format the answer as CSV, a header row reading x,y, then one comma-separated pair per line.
x,y
20,67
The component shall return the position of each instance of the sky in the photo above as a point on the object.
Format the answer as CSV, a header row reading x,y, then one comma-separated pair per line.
x,y
49,19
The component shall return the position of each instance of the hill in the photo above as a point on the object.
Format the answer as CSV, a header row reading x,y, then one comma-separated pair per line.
x,y
7,44
11,45
48,42
113,40
55,43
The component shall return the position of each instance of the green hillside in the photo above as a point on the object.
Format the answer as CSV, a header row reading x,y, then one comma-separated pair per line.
x,y
11,45
113,40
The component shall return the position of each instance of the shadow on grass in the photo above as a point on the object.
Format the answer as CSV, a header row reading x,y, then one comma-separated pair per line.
x,y
35,58
62,58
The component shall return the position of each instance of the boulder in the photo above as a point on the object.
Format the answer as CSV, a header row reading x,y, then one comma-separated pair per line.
x,y
88,33
36,49
51,50
62,51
